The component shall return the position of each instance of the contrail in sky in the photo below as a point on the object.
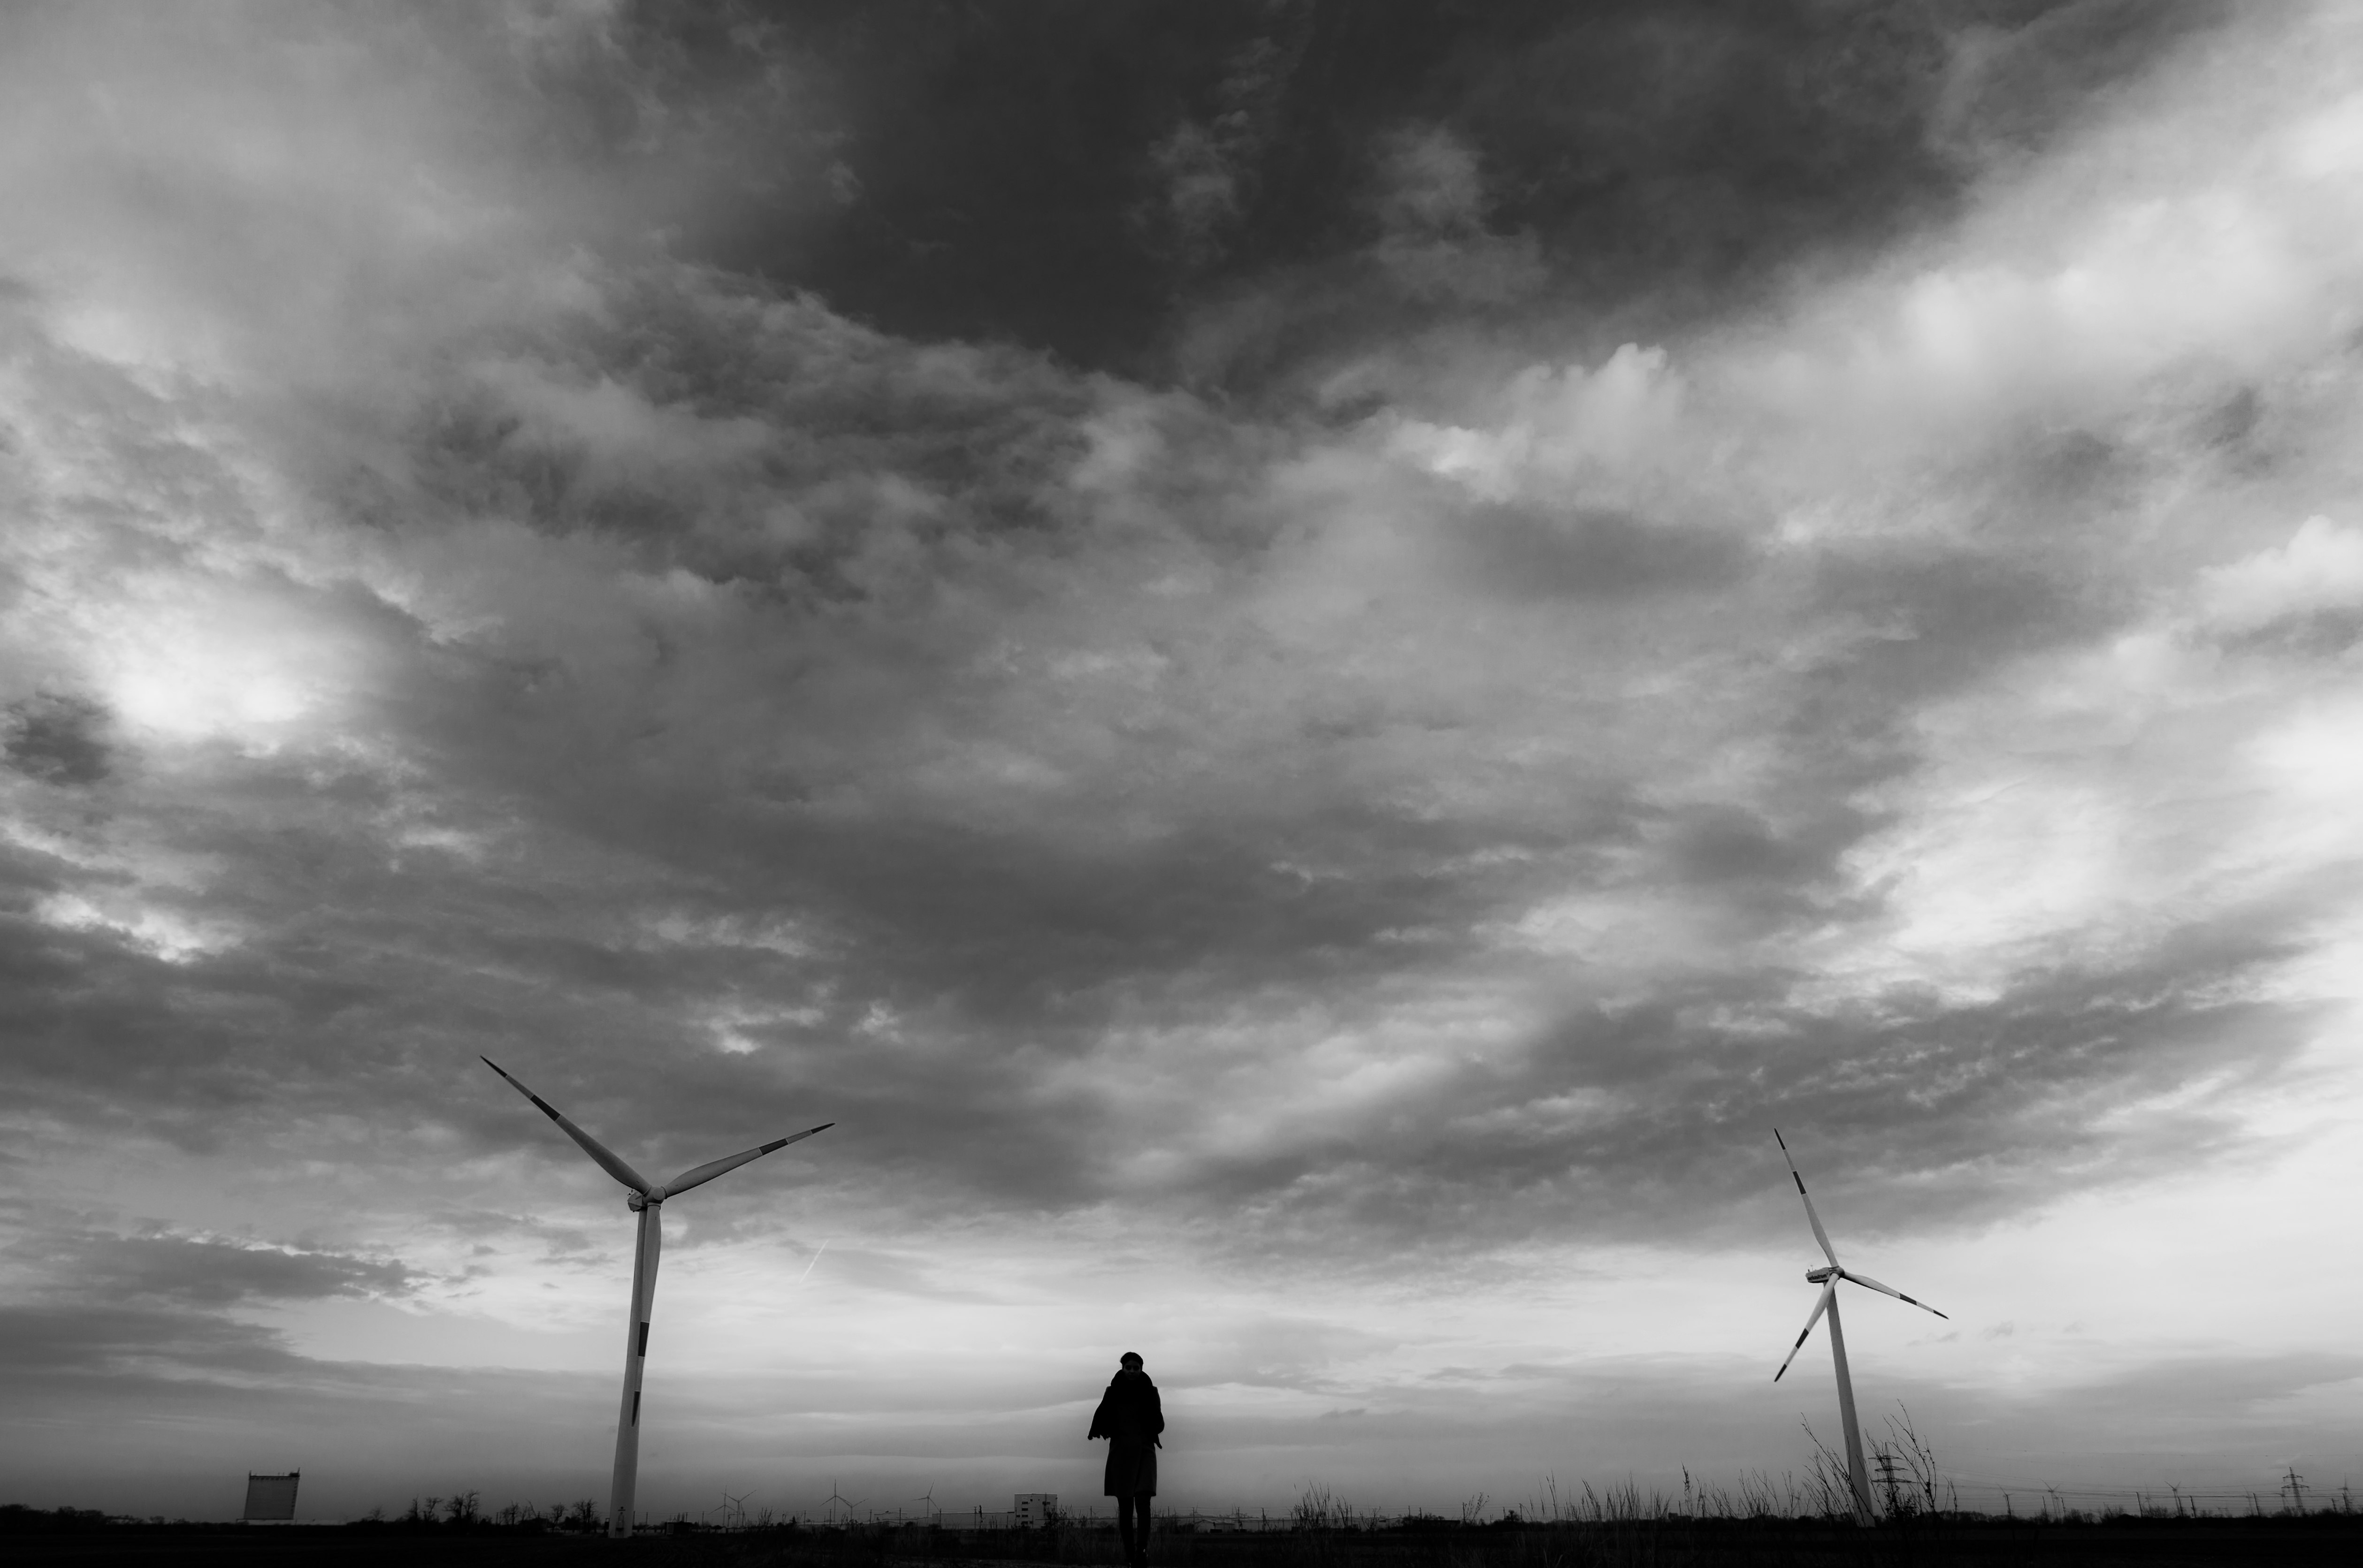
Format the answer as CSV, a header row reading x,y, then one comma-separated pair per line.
x,y
815,1258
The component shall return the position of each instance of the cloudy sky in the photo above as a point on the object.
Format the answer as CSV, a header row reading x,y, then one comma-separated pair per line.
x,y
1306,662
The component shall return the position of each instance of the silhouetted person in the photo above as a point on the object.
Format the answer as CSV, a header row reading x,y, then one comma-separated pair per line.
x,y
1130,1417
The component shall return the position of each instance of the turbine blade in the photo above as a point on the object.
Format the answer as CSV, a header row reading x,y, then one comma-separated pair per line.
x,y
1821,1306
608,1160
1891,1290
1819,1234
713,1168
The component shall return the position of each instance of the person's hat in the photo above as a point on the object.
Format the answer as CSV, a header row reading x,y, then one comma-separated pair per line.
x,y
1130,1358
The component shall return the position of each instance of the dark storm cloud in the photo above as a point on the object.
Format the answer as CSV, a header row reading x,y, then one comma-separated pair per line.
x,y
987,989
727,705
83,1340
754,868
159,1270
1339,831
1086,177
1596,553
57,739
1638,1126
746,436
213,1274
2020,71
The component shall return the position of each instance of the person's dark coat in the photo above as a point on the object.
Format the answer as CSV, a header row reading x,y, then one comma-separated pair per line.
x,y
1130,1417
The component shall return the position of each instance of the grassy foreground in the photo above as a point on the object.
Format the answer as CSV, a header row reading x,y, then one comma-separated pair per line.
x,y
1668,1542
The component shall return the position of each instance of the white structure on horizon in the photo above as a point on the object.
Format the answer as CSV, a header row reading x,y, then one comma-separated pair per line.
x,y
270,1499
644,1198
1037,1509
1827,1279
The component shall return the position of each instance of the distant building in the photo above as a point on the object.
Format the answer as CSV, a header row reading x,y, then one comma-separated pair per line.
x,y
270,1497
1037,1509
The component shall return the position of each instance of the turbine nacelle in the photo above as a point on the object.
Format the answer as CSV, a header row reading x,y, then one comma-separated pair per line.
x,y
1824,1275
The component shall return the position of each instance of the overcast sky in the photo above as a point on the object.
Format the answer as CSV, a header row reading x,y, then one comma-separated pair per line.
x,y
1306,662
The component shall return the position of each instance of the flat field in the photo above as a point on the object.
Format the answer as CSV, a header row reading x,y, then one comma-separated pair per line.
x,y
1918,1542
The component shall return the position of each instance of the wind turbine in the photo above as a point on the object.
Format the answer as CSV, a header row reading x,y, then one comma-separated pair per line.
x,y
644,1198
1827,1279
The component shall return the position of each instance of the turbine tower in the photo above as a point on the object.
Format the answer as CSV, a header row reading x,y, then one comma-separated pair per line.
x,y
1827,1279
644,1198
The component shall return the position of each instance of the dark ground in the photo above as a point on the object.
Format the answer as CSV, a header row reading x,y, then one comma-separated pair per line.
x,y
1656,1543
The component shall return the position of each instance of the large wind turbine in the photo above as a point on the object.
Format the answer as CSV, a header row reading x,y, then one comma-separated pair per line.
x,y
1827,1279
644,1198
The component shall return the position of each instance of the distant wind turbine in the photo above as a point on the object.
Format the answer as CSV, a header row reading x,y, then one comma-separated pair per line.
x,y
644,1198
1827,1279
